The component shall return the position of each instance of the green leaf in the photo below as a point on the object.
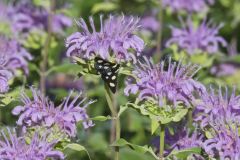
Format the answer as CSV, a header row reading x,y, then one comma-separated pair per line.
x,y
204,59
45,4
10,96
140,149
128,154
101,118
104,6
65,68
183,154
154,125
179,115
77,147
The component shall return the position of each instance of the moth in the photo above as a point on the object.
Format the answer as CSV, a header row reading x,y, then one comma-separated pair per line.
x,y
108,72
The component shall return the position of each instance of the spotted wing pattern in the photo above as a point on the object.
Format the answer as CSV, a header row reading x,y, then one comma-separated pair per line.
x,y
108,72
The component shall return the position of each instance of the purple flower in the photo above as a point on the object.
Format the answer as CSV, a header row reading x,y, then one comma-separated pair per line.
x,y
188,5
5,75
187,140
225,69
164,82
225,144
41,111
215,107
205,38
114,41
149,23
17,148
12,58
182,139
26,17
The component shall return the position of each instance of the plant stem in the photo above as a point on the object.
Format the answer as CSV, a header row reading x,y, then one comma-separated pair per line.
x,y
162,137
45,51
190,119
115,129
159,35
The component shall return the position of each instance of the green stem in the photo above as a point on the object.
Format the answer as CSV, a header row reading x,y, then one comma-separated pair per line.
x,y
115,129
159,35
45,51
162,137
190,118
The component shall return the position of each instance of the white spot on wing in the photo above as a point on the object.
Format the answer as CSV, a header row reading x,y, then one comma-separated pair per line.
x,y
112,84
100,61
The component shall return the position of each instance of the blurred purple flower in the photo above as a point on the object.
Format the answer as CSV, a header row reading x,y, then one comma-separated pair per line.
x,y
225,144
149,23
205,38
215,107
115,40
187,140
64,81
17,148
181,140
171,83
41,111
188,5
5,75
25,17
225,69
12,58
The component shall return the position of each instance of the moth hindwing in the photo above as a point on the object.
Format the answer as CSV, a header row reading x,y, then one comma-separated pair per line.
x,y
108,72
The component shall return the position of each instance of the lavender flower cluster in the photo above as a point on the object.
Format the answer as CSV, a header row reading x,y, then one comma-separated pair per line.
x,y
24,17
12,58
114,42
187,5
204,38
40,111
16,147
166,80
221,113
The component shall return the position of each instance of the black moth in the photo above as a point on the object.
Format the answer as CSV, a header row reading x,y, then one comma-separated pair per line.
x,y
108,72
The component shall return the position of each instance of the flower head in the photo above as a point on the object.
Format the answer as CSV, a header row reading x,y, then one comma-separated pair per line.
x,y
41,111
26,17
224,144
187,5
150,23
12,58
205,38
215,107
224,69
182,139
167,81
5,75
114,41
14,147
186,140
